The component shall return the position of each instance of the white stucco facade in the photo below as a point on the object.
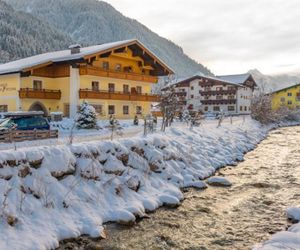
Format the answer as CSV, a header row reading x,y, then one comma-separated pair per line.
x,y
215,96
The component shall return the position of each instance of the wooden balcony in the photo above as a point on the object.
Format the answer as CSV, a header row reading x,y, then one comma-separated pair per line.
x,y
218,102
181,94
218,92
97,71
40,94
105,95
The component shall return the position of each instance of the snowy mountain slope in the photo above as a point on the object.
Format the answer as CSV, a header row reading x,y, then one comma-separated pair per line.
x,y
22,35
271,83
94,22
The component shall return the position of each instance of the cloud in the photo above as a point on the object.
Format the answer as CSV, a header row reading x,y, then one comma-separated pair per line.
x,y
228,36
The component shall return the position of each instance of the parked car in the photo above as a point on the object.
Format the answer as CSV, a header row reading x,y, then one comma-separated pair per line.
x,y
25,123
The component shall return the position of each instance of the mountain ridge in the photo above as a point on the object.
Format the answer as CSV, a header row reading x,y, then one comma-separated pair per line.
x,y
92,22
269,83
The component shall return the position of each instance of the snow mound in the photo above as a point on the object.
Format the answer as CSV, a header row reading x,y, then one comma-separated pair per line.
x,y
293,213
219,181
286,239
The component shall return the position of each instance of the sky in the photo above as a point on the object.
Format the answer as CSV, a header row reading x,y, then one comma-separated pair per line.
x,y
227,36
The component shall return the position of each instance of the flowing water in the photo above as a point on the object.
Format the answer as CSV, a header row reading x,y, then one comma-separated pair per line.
x,y
249,212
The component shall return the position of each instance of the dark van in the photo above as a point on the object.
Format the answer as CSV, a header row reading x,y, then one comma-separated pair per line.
x,y
25,123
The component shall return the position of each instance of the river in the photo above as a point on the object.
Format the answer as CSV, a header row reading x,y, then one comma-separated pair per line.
x,y
235,217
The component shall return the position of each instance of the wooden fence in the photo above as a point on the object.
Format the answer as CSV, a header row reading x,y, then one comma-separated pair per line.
x,y
26,135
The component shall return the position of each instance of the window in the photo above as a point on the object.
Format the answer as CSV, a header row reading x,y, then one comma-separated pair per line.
x,y
205,108
289,102
98,108
125,88
207,88
231,88
282,99
128,69
231,97
219,88
37,85
125,110
241,108
245,108
192,96
230,108
138,110
95,86
289,94
219,97
3,108
216,108
105,65
139,89
111,109
206,97
192,87
118,67
111,87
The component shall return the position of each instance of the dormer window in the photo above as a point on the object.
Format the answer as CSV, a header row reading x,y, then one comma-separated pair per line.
x,y
128,69
105,65
118,67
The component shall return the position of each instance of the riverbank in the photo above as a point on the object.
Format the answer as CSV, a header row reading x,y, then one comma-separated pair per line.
x,y
236,217
59,192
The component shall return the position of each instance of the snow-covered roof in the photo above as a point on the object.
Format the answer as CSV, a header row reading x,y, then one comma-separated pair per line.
x,y
197,76
65,55
239,79
285,88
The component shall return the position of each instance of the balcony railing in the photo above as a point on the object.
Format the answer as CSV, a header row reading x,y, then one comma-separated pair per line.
x,y
218,92
182,93
218,102
97,71
123,96
39,93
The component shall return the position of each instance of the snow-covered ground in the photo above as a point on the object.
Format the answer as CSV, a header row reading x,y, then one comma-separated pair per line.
x,y
66,127
53,192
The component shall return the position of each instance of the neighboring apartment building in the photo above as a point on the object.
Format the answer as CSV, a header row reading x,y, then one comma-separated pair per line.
x,y
116,78
214,94
287,97
244,94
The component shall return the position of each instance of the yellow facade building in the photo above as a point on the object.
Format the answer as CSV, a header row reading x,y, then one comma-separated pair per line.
x,y
116,78
287,97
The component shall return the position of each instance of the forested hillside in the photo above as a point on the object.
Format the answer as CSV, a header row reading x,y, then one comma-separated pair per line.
x,y
94,22
22,35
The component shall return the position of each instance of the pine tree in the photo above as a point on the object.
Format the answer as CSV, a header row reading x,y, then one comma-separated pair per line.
x,y
86,116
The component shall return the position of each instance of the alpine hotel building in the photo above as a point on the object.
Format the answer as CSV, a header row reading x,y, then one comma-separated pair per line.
x,y
116,78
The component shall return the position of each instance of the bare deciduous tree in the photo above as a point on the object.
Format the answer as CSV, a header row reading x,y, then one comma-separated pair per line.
x,y
170,106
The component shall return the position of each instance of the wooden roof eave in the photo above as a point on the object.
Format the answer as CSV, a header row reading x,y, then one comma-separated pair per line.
x,y
37,66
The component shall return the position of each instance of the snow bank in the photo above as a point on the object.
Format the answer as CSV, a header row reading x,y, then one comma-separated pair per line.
x,y
287,239
56,192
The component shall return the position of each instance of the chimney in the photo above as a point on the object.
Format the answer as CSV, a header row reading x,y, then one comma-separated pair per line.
x,y
75,48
